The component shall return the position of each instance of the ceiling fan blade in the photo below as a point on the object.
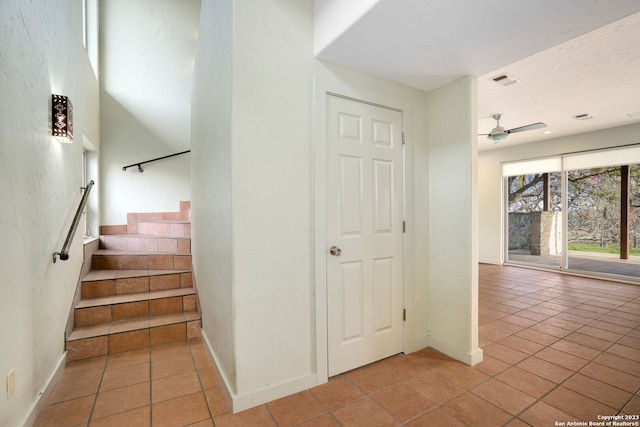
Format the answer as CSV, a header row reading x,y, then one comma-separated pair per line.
x,y
532,126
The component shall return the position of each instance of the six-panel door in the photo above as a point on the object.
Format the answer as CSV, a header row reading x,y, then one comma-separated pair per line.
x,y
364,220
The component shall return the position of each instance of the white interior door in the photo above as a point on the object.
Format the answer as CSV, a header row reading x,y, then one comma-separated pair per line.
x,y
364,224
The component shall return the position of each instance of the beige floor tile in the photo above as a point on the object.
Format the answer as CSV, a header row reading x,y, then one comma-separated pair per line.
x,y
256,417
69,413
542,414
122,377
139,417
121,400
336,393
182,411
472,410
503,396
295,409
526,381
576,404
435,417
611,396
614,377
167,388
402,402
463,375
371,378
364,413
217,400
434,387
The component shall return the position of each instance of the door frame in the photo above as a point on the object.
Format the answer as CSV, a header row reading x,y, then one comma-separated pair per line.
x,y
321,90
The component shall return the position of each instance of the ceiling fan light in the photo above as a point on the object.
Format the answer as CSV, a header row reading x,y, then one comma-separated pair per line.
x,y
497,137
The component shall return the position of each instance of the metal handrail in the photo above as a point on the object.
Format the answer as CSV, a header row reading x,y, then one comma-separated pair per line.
x,y
64,252
124,168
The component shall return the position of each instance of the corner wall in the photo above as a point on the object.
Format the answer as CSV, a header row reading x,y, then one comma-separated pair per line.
x,y
147,50
42,54
452,251
490,176
257,199
212,185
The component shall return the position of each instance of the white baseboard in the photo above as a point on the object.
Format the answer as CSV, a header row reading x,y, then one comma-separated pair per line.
x,y
472,358
246,401
259,397
490,261
43,395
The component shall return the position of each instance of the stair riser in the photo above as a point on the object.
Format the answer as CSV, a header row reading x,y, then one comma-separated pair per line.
x,y
164,229
132,310
132,340
146,244
141,262
131,285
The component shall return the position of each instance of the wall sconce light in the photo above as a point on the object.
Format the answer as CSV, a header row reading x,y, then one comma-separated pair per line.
x,y
61,118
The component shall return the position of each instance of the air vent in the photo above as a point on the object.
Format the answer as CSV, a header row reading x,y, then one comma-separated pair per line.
x,y
583,116
504,80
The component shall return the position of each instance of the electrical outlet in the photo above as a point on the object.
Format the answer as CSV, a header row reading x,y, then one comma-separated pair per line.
x,y
11,383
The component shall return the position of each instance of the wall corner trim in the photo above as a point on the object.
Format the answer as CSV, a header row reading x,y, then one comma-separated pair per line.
x,y
246,401
43,395
470,358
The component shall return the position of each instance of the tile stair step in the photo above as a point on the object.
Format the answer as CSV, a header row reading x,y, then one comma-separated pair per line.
x,y
131,334
139,291
146,243
137,297
175,228
128,325
97,311
107,259
105,283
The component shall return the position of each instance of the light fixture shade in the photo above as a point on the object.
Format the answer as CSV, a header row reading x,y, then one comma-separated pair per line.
x,y
497,137
61,118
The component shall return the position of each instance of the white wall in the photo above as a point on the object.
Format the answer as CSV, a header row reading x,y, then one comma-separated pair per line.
x,y
41,53
334,17
211,186
257,253
147,49
490,177
452,248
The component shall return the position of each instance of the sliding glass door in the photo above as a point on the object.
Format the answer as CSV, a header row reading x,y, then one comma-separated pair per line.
x,y
534,217
599,194
534,212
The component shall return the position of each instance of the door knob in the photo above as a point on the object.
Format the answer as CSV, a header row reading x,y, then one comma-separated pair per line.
x,y
335,251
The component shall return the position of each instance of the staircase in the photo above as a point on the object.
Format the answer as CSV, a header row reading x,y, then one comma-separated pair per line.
x,y
140,290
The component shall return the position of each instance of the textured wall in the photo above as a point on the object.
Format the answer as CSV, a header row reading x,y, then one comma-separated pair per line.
x,y
41,53
253,184
211,187
452,253
147,50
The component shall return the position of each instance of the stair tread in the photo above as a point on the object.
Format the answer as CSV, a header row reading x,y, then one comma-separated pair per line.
x,y
95,275
166,221
146,236
119,326
142,253
135,297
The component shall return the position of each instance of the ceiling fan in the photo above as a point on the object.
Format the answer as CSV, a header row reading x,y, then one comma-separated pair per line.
x,y
499,133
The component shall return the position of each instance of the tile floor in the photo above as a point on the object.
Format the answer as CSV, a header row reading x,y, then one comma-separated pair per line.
x,y
556,349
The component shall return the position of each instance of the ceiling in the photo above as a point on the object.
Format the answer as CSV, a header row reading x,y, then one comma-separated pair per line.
x,y
569,57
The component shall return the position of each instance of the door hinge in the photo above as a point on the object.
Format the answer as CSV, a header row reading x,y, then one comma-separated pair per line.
x,y
403,138
404,314
404,226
